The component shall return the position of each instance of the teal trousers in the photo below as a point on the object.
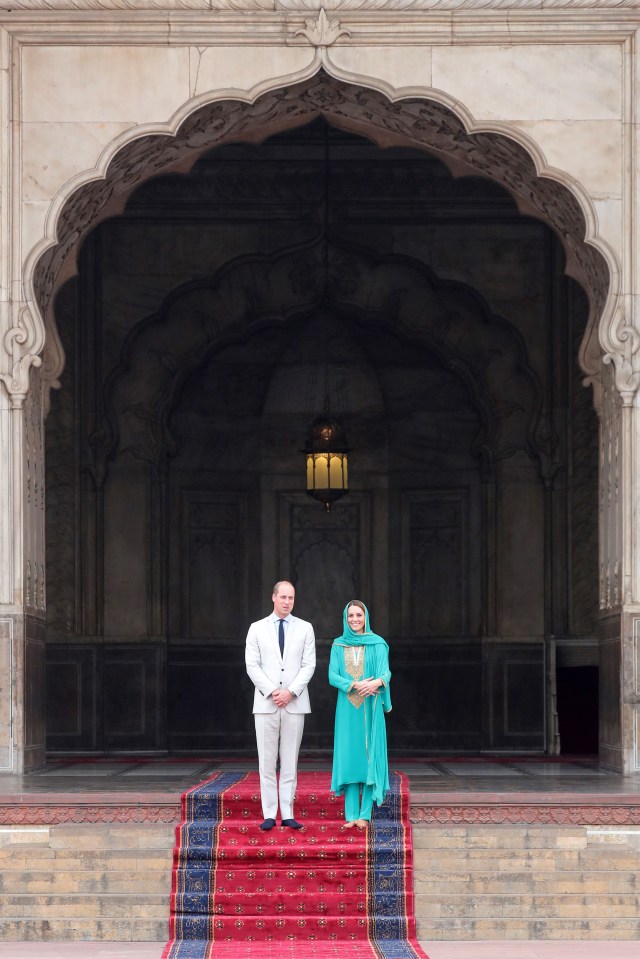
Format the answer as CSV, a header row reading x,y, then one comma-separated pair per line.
x,y
357,806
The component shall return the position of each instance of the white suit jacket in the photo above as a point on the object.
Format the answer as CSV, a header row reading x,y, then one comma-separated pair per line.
x,y
268,670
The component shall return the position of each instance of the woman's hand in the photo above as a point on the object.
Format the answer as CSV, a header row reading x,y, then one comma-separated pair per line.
x,y
367,687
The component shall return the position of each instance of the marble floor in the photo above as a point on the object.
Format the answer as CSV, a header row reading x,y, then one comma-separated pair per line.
x,y
149,777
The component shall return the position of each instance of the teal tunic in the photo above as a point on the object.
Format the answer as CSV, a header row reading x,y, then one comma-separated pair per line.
x,y
360,736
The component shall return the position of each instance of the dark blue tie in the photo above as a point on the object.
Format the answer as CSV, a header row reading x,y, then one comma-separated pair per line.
x,y
281,636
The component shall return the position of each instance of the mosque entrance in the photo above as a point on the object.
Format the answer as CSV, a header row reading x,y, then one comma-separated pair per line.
x,y
205,325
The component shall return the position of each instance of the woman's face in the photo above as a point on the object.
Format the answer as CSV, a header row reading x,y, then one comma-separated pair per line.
x,y
355,618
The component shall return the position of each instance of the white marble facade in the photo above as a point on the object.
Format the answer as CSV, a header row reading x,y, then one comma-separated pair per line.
x,y
96,96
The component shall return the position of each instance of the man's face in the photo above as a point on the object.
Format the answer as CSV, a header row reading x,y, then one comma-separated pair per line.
x,y
283,600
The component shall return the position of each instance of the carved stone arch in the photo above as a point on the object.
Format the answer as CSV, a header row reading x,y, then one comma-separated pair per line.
x,y
420,120
251,293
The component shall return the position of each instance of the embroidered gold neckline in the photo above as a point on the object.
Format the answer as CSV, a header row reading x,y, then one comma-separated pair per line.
x,y
355,670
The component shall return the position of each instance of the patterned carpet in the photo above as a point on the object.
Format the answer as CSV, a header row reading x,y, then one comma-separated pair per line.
x,y
321,892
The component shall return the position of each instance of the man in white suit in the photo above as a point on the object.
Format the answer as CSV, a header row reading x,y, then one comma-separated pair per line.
x,y
281,658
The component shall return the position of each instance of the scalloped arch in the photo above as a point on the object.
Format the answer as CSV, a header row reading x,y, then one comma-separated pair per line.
x,y
389,118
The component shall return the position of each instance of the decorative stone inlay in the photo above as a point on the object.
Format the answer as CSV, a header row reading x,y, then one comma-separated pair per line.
x,y
42,814
610,493
489,813
635,653
572,814
6,703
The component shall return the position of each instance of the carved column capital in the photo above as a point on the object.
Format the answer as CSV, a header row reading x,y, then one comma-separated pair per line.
x,y
22,343
17,382
623,341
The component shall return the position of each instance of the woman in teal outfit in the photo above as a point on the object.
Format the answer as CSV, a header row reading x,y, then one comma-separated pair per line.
x,y
359,669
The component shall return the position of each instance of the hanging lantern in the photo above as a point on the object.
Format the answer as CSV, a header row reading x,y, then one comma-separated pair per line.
x,y
327,467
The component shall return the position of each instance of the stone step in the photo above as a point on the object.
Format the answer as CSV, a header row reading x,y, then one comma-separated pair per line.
x,y
54,929
17,858
526,884
514,862
528,929
33,839
66,854
593,858
544,907
88,864
69,906
589,845
614,851
87,881
57,844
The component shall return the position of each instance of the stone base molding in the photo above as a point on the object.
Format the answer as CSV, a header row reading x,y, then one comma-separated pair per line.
x,y
574,811
50,814
568,813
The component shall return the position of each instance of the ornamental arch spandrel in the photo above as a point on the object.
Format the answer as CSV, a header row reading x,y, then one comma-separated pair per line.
x,y
360,77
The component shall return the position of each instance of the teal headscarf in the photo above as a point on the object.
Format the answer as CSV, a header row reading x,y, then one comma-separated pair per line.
x,y
366,638
372,655
376,663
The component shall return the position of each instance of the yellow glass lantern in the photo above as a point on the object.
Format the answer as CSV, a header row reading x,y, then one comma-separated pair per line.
x,y
327,461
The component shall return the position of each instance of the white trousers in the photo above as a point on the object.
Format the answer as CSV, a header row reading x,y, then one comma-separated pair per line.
x,y
278,734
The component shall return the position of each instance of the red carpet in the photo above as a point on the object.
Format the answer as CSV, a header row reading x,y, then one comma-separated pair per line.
x,y
321,892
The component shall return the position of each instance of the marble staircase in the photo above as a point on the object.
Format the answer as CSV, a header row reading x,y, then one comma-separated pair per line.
x,y
96,881
92,882
527,882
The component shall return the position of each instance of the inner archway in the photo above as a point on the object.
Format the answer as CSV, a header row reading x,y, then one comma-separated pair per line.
x,y
195,333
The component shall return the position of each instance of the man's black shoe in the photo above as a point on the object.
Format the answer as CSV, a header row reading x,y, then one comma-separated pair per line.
x,y
292,824
267,824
